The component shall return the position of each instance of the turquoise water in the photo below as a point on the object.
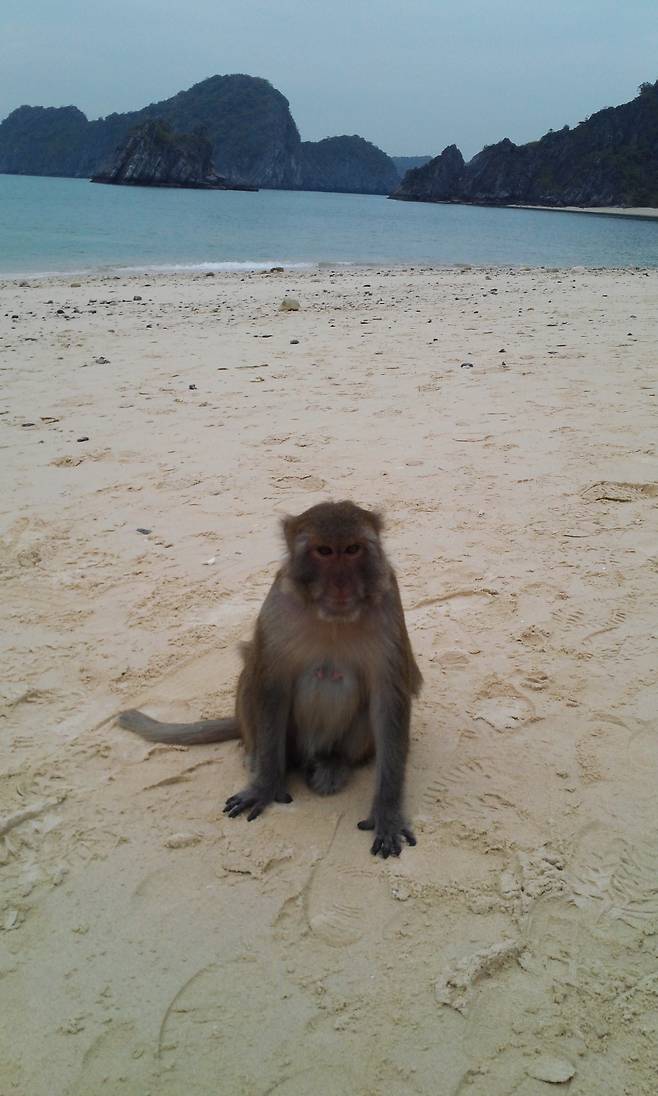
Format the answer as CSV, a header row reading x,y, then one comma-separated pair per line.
x,y
51,225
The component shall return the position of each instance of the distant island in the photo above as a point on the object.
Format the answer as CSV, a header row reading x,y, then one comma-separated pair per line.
x,y
609,159
153,155
247,121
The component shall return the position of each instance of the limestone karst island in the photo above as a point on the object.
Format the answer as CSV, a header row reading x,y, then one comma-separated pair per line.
x,y
609,159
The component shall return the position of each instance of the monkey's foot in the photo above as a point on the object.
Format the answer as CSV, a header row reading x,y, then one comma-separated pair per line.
x,y
326,777
388,836
255,800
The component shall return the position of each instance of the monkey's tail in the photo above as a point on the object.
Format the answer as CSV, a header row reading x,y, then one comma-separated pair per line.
x,y
181,734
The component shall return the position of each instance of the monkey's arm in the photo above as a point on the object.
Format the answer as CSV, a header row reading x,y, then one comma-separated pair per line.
x,y
265,709
390,711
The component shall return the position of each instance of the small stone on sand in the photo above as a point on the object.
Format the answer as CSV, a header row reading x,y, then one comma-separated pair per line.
x,y
556,1071
181,840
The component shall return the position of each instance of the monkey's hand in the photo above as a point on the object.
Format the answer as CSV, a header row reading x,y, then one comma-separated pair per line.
x,y
255,798
389,832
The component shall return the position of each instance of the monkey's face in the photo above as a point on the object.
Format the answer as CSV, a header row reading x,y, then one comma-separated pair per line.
x,y
338,586
336,560
338,578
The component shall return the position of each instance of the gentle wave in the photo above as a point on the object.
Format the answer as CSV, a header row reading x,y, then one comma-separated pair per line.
x,y
229,265
163,268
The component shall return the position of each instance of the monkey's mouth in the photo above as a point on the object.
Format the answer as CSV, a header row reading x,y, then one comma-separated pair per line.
x,y
344,612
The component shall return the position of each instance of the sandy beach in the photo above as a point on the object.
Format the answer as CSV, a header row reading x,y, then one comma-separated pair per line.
x,y
643,213
153,431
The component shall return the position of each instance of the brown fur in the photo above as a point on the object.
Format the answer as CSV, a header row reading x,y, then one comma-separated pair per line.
x,y
328,677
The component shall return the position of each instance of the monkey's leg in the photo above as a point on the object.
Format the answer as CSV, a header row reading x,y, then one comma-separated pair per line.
x,y
390,713
326,775
266,713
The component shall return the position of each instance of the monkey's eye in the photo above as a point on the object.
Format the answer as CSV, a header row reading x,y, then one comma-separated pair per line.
x,y
352,549
324,550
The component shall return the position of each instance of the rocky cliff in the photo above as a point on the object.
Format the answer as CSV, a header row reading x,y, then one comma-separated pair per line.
x,y
440,178
247,121
610,158
348,164
153,155
46,141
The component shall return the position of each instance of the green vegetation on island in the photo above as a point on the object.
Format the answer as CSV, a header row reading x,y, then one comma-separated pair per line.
x,y
609,159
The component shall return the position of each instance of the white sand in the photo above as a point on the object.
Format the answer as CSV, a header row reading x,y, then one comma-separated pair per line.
x,y
151,945
646,213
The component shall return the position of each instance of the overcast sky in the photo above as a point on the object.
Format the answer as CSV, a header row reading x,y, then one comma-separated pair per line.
x,y
410,75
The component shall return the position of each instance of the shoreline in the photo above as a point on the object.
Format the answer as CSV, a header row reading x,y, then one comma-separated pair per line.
x,y
644,213
301,268
638,213
154,430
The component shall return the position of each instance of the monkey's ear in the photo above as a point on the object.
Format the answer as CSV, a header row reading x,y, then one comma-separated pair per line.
x,y
376,519
289,528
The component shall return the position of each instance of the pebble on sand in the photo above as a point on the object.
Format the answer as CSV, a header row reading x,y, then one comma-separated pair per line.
x,y
556,1071
289,304
181,840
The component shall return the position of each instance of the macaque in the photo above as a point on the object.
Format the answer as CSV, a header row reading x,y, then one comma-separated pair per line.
x,y
328,677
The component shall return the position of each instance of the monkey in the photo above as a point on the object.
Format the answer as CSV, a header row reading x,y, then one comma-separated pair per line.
x,y
328,676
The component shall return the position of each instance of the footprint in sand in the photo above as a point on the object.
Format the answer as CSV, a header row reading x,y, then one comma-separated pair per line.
x,y
465,778
502,707
537,680
616,617
204,1037
593,629
615,877
343,887
164,886
478,793
106,1060
570,617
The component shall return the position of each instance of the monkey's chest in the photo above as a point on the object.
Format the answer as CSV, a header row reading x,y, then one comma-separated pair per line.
x,y
326,700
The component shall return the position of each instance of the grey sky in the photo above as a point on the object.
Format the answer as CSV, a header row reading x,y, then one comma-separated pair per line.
x,y
410,75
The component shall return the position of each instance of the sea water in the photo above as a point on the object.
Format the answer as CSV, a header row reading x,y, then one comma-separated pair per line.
x,y
71,225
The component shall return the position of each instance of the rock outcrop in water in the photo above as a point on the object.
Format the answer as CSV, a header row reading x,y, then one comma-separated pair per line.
x,y
441,177
610,159
247,121
348,164
153,155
